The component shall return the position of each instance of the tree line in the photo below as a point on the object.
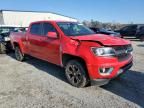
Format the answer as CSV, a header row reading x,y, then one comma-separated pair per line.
x,y
98,24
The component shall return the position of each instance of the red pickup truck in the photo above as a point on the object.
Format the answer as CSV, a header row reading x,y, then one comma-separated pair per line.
x,y
86,56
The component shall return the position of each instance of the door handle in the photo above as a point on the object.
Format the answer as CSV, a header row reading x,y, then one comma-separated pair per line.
x,y
42,40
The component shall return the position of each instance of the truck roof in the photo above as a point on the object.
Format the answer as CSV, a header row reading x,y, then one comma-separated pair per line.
x,y
51,21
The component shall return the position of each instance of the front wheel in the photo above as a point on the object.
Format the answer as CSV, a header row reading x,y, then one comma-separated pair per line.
x,y
18,54
2,48
76,74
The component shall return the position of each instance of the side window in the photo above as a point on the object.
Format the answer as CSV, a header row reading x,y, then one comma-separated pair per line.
x,y
125,28
133,27
142,28
47,27
129,28
36,29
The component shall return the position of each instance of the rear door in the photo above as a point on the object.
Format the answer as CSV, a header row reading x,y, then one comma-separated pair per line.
x,y
133,30
35,40
129,30
140,31
51,49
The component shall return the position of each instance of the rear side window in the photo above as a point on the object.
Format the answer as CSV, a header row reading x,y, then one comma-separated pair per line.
x,y
133,27
36,29
47,27
125,28
142,28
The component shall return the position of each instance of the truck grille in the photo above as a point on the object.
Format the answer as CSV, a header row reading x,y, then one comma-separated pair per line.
x,y
123,52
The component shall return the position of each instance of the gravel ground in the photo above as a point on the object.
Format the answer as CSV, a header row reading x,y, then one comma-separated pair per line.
x,y
38,84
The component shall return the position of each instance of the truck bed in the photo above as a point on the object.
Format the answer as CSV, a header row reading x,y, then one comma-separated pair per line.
x,y
17,36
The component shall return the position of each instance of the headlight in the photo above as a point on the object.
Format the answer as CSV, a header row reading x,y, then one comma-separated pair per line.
x,y
113,35
105,51
6,38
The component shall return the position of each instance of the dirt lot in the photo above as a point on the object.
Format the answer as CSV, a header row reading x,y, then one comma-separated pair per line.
x,y
38,84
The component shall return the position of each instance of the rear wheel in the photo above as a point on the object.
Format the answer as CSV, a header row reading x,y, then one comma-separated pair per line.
x,y
76,74
2,48
18,54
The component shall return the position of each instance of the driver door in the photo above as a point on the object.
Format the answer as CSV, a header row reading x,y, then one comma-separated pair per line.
x,y
51,48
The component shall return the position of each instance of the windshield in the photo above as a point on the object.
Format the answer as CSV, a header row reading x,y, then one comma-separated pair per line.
x,y
74,29
6,29
12,29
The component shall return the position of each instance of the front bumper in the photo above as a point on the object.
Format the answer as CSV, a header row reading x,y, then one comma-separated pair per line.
x,y
100,82
118,67
124,68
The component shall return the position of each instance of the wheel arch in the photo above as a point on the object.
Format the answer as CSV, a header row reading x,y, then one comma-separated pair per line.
x,y
67,57
16,44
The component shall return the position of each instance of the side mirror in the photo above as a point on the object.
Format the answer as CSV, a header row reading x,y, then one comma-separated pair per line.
x,y
52,35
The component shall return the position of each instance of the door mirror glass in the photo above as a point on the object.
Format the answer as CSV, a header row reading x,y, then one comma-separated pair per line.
x,y
52,34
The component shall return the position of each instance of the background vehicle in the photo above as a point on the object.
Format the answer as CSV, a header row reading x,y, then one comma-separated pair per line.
x,y
140,33
85,55
130,30
4,36
106,32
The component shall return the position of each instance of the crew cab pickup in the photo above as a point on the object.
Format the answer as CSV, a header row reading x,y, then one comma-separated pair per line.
x,y
86,57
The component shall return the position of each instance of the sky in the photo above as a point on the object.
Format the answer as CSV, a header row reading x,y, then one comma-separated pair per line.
x,y
122,11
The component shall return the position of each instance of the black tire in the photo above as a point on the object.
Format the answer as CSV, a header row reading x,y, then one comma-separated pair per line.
x,y
18,54
76,74
2,48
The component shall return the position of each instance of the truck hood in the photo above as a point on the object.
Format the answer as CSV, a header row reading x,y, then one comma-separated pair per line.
x,y
103,39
